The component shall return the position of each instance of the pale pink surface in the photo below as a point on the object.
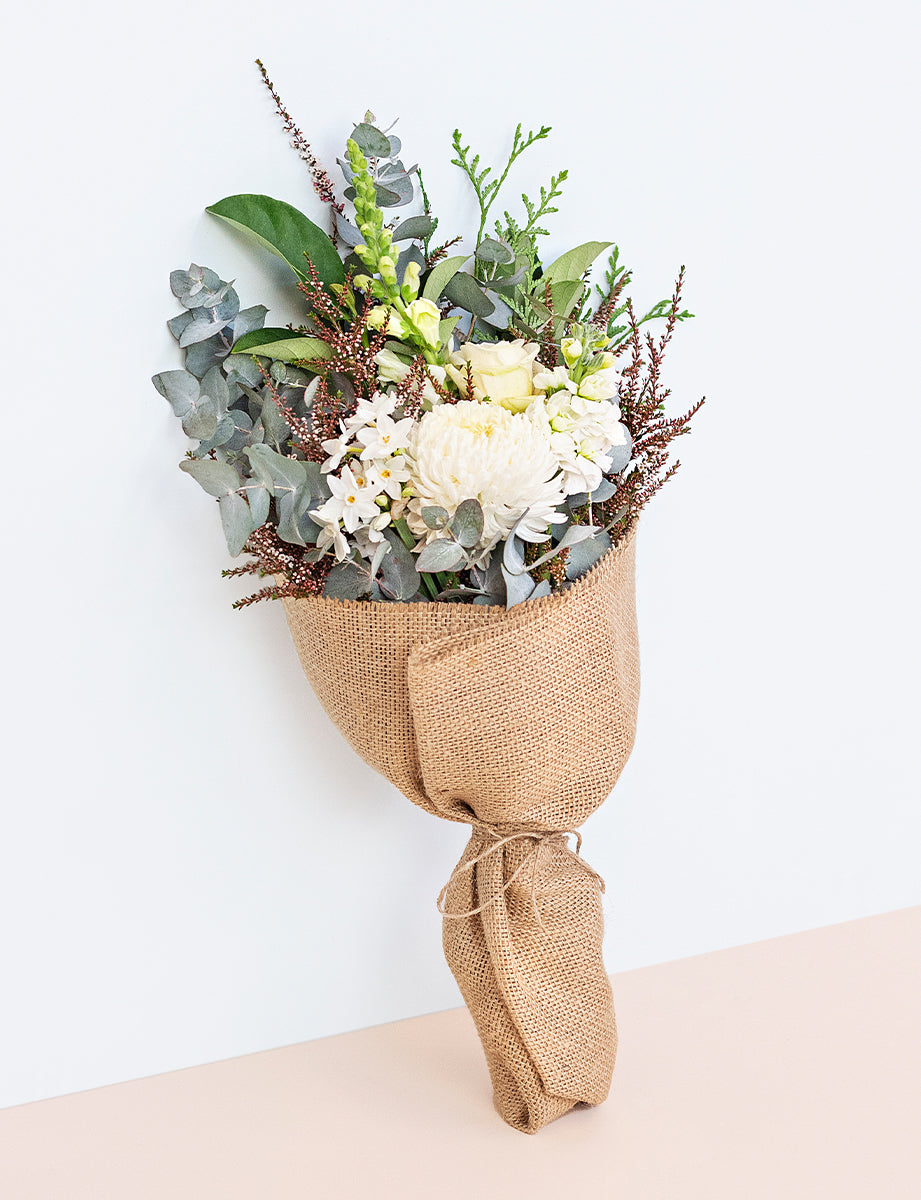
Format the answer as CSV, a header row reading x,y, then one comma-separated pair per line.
x,y
786,1069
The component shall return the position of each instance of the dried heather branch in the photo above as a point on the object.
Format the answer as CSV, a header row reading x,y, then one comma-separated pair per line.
x,y
322,184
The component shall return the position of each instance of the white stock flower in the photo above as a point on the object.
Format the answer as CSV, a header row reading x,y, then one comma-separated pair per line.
x,y
483,452
601,385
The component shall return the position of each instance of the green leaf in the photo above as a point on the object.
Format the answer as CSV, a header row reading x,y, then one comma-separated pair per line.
x,y
574,263
441,555
282,345
491,251
237,521
435,516
414,227
466,293
446,328
217,478
441,274
370,141
347,581
180,388
467,523
279,227
286,474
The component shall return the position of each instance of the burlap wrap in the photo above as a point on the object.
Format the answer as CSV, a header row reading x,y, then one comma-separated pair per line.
x,y
517,723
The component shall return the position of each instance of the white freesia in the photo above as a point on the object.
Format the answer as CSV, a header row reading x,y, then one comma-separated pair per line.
x,y
472,450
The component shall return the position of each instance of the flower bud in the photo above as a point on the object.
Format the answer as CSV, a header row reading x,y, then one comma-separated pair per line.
x,y
426,317
572,350
387,268
362,282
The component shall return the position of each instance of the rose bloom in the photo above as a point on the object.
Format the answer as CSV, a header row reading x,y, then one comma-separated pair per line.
x,y
503,372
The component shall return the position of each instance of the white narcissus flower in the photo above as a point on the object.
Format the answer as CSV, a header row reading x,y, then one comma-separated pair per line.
x,y
387,476
385,437
353,501
503,372
381,404
471,450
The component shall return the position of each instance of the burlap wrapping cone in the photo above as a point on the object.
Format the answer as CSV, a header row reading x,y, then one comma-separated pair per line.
x,y
518,723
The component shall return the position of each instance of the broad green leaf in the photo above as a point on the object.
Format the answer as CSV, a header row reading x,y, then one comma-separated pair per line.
x,y
285,231
446,328
441,274
574,263
217,478
282,345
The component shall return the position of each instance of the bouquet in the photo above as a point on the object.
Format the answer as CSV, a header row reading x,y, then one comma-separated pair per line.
x,y
439,471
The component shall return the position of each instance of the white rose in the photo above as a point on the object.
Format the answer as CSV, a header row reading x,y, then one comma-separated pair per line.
x,y
503,372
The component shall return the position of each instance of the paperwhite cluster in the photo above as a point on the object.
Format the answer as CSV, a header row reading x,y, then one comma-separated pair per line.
x,y
364,489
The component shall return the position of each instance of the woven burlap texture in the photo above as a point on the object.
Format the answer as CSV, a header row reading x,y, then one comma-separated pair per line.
x,y
518,723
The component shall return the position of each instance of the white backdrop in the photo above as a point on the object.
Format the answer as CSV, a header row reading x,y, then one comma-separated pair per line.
x,y
192,859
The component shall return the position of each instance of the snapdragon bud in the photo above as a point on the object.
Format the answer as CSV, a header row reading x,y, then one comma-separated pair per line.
x,y
362,282
387,268
410,289
572,350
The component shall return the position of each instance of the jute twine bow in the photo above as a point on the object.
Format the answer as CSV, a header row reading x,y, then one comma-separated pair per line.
x,y
542,842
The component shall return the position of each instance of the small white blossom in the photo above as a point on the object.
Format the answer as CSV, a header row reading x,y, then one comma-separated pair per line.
x,y
385,437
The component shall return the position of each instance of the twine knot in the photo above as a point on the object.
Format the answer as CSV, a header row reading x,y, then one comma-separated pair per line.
x,y
542,841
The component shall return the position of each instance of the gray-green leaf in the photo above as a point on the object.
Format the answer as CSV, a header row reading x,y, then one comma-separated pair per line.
x,y
217,478
463,290
441,555
237,521
467,523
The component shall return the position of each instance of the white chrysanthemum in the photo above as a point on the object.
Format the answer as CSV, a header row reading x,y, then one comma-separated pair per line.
x,y
481,451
